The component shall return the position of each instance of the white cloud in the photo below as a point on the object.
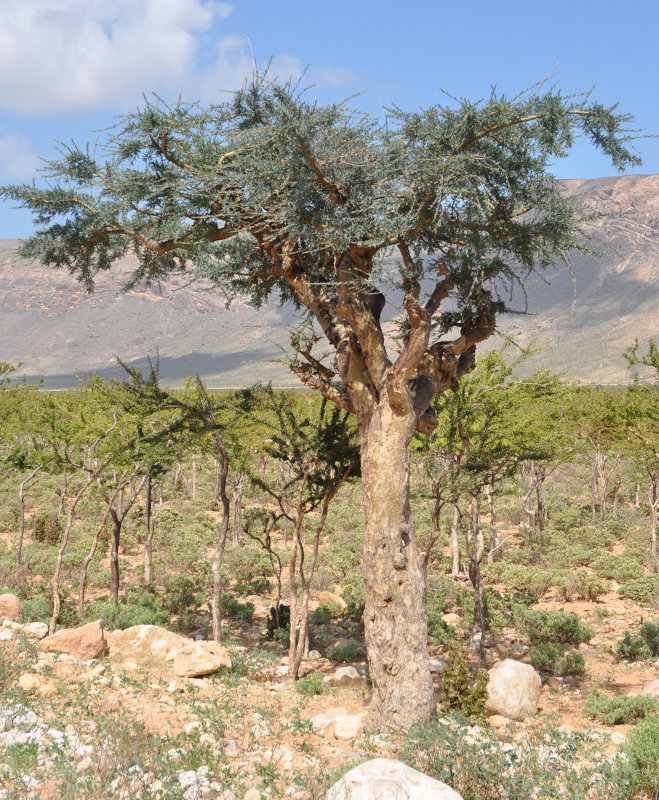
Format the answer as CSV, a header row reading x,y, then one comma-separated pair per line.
x,y
71,55
18,161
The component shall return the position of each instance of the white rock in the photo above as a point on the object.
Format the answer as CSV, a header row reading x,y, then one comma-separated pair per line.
x,y
618,738
387,779
252,794
36,630
437,665
6,635
349,727
348,676
652,689
314,655
192,726
513,690
322,721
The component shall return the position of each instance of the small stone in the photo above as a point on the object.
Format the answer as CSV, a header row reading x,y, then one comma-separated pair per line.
x,y
29,682
451,619
36,630
6,635
437,665
231,748
192,726
652,689
314,655
348,676
252,794
618,738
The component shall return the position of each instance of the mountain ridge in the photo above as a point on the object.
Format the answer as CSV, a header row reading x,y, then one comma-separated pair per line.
x,y
54,327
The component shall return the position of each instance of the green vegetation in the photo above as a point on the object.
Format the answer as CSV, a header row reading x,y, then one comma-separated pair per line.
x,y
459,692
622,709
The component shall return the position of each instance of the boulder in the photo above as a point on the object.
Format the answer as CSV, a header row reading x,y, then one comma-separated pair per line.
x,y
652,689
513,690
83,643
142,640
321,722
348,676
350,726
10,607
201,658
388,779
451,619
331,599
31,630
29,682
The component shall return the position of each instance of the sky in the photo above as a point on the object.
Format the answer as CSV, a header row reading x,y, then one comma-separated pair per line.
x,y
69,67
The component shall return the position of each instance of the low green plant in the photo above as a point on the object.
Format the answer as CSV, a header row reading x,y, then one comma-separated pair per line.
x,y
257,585
649,631
547,764
643,590
553,626
233,608
140,606
184,591
346,653
324,614
642,750
311,684
621,709
458,691
632,648
581,585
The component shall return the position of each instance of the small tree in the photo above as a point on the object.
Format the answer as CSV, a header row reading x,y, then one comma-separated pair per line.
x,y
272,192
320,451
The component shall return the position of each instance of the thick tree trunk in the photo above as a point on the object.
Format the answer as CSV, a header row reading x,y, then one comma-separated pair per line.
x,y
395,618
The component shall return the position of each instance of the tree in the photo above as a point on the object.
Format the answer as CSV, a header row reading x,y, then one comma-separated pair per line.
x,y
272,193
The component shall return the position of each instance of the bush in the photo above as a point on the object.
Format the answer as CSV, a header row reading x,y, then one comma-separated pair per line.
x,y
553,626
642,749
545,765
346,653
232,608
184,591
311,684
284,621
324,614
632,648
137,609
354,612
258,585
620,710
581,585
649,631
458,693
615,568
643,590
552,659
47,529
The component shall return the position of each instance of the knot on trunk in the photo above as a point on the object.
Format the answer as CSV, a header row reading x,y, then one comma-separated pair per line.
x,y
400,557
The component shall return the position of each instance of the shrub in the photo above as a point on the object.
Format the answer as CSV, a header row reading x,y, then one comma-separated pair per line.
x,y
258,585
128,612
311,684
232,608
632,648
620,710
545,765
581,585
346,653
615,568
643,590
354,612
324,614
458,693
554,626
642,750
47,529
551,658
649,631
284,620
184,591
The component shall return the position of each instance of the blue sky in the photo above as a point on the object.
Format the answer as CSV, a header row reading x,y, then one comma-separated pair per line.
x,y
67,67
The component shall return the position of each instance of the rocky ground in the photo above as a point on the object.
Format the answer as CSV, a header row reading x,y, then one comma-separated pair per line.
x,y
149,713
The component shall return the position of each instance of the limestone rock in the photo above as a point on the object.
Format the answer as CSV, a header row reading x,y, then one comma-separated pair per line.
x,y
29,682
652,689
10,607
348,676
331,599
349,727
451,619
513,690
201,658
31,630
387,779
321,722
83,643
437,665
143,639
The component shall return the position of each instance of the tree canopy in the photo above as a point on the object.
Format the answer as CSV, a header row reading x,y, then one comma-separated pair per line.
x,y
272,192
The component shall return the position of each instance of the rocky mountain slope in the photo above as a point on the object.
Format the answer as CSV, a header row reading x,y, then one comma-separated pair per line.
x,y
582,320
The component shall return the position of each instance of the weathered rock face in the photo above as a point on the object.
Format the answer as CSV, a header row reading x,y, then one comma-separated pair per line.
x,y
201,658
10,607
513,690
387,779
143,639
83,643
331,599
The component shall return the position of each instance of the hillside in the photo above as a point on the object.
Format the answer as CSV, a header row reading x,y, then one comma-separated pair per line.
x,y
50,324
